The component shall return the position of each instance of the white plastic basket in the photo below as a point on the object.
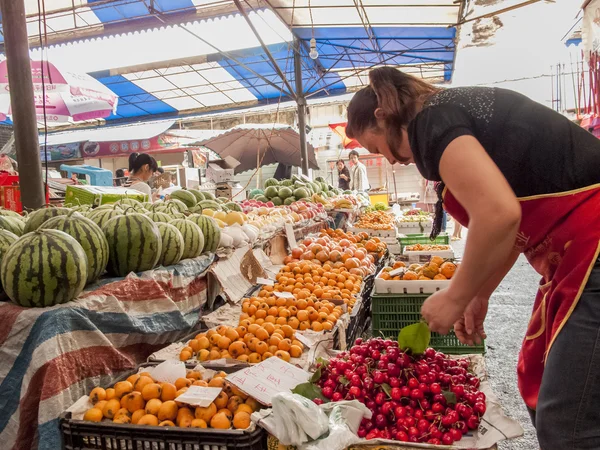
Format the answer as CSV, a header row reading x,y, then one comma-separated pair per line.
x,y
408,286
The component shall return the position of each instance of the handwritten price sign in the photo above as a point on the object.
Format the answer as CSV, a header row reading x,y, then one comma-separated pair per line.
x,y
268,378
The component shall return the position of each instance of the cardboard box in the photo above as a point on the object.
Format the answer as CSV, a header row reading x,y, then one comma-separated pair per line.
x,y
221,171
99,195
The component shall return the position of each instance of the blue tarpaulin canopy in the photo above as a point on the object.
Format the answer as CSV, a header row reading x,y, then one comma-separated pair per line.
x,y
173,58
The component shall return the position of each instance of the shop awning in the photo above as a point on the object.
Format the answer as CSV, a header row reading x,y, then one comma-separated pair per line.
x,y
187,57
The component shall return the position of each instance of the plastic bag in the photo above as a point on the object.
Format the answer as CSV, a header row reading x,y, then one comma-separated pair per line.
x,y
297,419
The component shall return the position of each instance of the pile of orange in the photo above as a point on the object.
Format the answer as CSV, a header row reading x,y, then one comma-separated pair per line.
x,y
249,342
436,269
141,400
376,220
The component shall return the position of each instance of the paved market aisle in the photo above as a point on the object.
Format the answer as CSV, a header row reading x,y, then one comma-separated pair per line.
x,y
508,315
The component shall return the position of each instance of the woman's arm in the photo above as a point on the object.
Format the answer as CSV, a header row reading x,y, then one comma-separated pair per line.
x,y
494,218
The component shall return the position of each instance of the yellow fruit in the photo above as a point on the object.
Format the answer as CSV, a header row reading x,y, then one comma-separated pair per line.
x,y
137,415
254,358
224,342
203,355
217,382
133,378
295,351
148,419
111,408
168,392
100,404
234,402
182,382
133,402
206,413
241,420
140,383
214,354
93,415
220,421
123,412
123,388
166,423
221,400
151,391
98,394
153,406
199,423
110,394
167,411
122,419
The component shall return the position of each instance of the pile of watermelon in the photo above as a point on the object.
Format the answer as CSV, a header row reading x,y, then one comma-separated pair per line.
x,y
287,192
48,256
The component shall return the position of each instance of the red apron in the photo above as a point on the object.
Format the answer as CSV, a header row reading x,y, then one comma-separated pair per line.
x,y
560,236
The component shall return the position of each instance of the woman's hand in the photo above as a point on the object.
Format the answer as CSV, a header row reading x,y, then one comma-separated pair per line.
x,y
441,311
469,328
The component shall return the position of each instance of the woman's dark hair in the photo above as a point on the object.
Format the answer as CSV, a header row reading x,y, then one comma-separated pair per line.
x,y
160,170
396,93
120,173
139,160
341,161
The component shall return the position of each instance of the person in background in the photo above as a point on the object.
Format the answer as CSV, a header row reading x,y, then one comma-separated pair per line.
x,y
457,235
525,180
358,179
428,195
343,175
173,180
141,168
119,175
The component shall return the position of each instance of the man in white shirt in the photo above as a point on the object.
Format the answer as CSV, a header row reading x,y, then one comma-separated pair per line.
x,y
358,179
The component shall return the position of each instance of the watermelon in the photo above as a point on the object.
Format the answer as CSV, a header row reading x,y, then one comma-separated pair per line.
x,y
271,182
301,193
126,201
44,268
271,191
147,205
211,204
210,231
185,196
198,194
255,192
101,216
196,209
277,201
233,206
287,183
208,195
9,213
192,237
38,217
159,217
177,204
134,244
320,179
172,244
6,240
288,201
284,193
262,198
12,224
89,235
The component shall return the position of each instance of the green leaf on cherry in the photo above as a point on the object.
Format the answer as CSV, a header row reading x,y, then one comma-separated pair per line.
x,y
387,389
310,391
415,338
317,375
344,381
450,397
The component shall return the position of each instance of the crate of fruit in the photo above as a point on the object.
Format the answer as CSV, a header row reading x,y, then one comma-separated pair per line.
x,y
417,252
390,313
415,278
420,238
140,411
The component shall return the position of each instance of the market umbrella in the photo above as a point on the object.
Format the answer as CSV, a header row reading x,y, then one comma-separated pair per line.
x,y
68,95
269,144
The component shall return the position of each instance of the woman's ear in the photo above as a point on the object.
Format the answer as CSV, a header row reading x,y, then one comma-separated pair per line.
x,y
380,114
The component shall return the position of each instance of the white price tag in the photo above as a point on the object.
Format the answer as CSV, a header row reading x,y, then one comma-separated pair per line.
x,y
397,271
291,237
265,281
283,294
199,396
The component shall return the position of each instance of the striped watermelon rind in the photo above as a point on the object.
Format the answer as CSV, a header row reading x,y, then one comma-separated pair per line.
x,y
185,196
6,240
12,224
100,217
193,237
172,244
158,216
134,244
9,213
89,235
210,230
44,268
38,217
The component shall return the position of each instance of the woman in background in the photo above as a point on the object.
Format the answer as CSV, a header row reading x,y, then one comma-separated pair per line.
x,y
343,175
141,168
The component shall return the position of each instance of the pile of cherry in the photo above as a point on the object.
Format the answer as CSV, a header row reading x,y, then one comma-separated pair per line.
x,y
427,398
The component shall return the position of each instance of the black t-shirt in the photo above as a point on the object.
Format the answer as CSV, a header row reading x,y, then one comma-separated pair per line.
x,y
537,149
344,184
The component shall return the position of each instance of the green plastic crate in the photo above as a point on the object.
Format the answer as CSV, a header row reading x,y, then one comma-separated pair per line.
x,y
391,313
411,239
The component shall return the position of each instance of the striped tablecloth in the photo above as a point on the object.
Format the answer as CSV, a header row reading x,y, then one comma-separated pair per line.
x,y
49,357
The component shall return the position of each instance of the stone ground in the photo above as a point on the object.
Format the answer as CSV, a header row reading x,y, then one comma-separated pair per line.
x,y
507,319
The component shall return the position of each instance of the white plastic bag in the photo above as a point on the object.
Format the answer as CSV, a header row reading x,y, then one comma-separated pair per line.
x,y
296,419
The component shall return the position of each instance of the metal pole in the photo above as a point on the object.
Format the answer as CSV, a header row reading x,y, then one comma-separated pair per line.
x,y
301,101
23,105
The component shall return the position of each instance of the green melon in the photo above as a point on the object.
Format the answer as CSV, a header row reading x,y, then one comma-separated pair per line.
x,y
89,235
38,217
288,201
12,224
44,268
134,244
210,231
285,192
188,198
126,201
196,209
255,192
198,194
271,182
9,213
277,201
320,179
301,193
271,191
172,244
223,200
6,240
233,206
158,217
261,198
101,216
288,183
192,237
208,195
177,204
211,204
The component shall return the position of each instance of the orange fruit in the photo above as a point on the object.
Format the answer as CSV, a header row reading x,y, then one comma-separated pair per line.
x,y
206,413
224,342
261,347
238,348
317,326
282,355
254,358
409,275
199,423
148,419
185,422
214,354
133,402
262,334
253,404
220,421
234,403
168,392
182,382
151,391
140,383
203,355
153,406
98,394
447,269
167,411
244,408
285,345
267,355
93,415
221,400
110,394
111,408
137,415
241,420
166,423
122,388
232,334
217,382
295,351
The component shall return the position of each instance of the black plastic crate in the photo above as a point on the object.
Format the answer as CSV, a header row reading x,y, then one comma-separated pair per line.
x,y
392,312
84,435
